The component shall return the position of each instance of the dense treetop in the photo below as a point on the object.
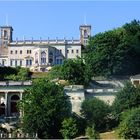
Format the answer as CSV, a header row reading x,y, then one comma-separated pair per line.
x,y
115,52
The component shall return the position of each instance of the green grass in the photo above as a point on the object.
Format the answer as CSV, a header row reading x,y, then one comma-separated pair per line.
x,y
39,74
109,135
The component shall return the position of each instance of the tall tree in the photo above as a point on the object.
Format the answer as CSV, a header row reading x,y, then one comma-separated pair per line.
x,y
75,71
45,106
127,98
129,127
95,112
69,128
115,52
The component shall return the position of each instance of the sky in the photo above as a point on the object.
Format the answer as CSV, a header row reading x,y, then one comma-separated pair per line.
x,y
62,18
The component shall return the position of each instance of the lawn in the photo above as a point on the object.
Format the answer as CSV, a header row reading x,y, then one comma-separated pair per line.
x,y
109,135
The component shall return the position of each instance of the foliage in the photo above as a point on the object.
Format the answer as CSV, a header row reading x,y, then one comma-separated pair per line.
x,y
21,75
69,128
115,52
55,72
127,98
91,133
4,71
75,71
95,112
45,106
130,125
81,124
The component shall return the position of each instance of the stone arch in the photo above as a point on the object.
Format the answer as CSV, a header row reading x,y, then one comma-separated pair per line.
x,y
43,57
13,103
2,109
85,33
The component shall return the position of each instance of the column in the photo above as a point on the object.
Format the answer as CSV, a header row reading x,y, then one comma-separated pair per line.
x,y
20,95
20,112
6,103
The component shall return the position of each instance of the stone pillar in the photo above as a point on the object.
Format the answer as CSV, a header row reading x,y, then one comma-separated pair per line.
x,y
20,112
20,95
6,103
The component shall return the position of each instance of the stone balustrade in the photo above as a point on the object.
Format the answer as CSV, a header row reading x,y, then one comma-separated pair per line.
x,y
15,83
16,135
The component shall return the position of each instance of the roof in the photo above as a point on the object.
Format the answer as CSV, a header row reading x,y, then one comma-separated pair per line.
x,y
135,76
6,27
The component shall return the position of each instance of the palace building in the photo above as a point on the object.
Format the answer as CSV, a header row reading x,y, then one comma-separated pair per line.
x,y
39,54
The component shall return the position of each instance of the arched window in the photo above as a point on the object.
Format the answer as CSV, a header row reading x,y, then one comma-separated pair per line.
x,y
36,57
14,100
43,58
5,33
15,97
85,33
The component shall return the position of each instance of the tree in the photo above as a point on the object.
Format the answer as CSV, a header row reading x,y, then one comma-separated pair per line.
x,y
6,71
91,133
95,112
55,72
75,71
127,98
130,124
44,108
21,74
69,128
115,52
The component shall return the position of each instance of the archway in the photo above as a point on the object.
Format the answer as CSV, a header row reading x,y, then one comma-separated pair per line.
x,y
2,109
14,100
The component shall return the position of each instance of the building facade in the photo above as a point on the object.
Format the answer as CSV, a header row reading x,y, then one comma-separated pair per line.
x,y
39,54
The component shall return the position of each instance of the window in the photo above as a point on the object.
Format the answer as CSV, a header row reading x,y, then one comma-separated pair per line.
x,y
5,43
28,62
61,61
15,51
67,51
5,33
36,57
77,51
72,51
15,62
57,61
11,52
11,63
20,51
20,62
29,51
3,62
43,58
85,33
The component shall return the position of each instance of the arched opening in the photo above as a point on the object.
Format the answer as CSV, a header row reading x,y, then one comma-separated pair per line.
x,y
85,33
14,100
43,58
2,109
36,58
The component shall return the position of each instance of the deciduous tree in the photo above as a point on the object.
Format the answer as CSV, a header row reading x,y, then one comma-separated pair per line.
x,y
45,106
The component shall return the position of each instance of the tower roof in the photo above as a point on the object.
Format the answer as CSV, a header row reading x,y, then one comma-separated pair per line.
x,y
6,27
81,26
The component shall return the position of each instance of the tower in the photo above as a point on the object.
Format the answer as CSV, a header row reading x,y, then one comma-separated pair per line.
x,y
85,33
6,37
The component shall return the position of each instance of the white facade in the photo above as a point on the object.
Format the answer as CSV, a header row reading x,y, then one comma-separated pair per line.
x,y
38,54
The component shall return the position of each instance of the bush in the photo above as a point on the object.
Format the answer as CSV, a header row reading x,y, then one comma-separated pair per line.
x,y
95,112
91,133
130,124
